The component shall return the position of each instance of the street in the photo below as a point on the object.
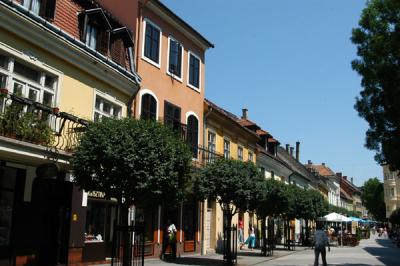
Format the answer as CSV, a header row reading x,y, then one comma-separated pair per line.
x,y
369,252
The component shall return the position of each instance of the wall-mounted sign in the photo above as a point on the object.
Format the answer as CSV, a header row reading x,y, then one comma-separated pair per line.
x,y
97,194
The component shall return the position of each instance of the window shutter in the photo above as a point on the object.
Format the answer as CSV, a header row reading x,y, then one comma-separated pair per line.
x,y
47,9
103,38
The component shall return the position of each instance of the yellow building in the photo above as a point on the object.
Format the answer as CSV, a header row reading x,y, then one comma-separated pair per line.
x,y
60,71
391,186
224,137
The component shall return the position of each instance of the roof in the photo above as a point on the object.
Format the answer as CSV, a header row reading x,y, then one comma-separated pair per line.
x,y
322,170
295,165
261,132
344,194
229,116
164,8
246,122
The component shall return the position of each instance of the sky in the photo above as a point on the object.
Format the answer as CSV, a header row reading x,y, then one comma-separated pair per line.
x,y
289,63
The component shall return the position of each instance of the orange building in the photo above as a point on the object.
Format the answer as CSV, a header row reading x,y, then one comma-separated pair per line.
x,y
170,59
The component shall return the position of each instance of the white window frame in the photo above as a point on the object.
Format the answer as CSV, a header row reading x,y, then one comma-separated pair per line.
x,y
180,79
229,141
215,144
188,71
13,77
145,58
110,99
90,31
252,156
147,91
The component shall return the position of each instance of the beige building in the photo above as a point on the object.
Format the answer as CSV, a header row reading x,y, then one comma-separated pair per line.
x,y
392,190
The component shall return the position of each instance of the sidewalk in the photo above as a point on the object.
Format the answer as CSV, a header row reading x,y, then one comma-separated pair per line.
x,y
245,258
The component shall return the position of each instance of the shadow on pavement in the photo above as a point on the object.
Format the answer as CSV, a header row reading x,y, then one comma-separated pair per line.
x,y
195,261
386,253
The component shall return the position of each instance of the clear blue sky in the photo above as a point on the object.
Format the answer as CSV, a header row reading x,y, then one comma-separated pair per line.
x,y
288,62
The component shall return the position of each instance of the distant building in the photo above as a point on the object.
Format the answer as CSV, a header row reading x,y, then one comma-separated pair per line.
x,y
391,184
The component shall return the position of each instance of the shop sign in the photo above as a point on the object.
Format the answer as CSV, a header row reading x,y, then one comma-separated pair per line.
x,y
97,194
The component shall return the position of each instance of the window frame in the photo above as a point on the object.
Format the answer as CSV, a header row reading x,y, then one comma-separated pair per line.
x,y
215,139
241,157
112,100
147,91
227,153
188,71
170,38
252,156
189,114
145,58
13,77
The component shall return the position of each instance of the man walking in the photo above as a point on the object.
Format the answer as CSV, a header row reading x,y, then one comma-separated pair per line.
x,y
321,241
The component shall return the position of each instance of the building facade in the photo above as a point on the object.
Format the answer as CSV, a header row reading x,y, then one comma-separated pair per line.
x,y
62,63
225,137
391,184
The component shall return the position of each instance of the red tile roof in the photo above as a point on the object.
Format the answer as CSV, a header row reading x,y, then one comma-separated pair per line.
x,y
322,169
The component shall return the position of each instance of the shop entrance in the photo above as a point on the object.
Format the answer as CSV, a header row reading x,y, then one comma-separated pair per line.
x,y
51,199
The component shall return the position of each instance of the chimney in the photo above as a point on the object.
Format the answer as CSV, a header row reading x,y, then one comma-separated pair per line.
x,y
298,151
351,180
309,162
291,151
323,164
339,174
245,113
287,148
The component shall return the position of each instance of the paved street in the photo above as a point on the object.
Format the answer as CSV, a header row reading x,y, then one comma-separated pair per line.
x,y
369,252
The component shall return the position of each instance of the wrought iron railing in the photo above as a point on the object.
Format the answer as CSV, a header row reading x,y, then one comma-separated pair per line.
x,y
206,156
29,121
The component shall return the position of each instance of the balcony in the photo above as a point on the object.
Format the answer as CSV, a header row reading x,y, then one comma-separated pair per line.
x,y
25,121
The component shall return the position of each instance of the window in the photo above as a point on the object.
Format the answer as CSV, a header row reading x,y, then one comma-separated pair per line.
x,y
91,36
211,145
33,5
27,81
194,71
193,134
175,58
250,156
106,108
240,153
172,116
149,107
272,175
227,149
152,42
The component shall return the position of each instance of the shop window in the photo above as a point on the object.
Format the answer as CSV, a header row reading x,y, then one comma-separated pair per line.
x,y
100,217
106,108
149,107
193,134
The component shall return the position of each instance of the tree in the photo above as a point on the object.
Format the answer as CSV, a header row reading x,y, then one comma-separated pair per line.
x,y
378,48
372,197
233,184
134,161
394,218
272,201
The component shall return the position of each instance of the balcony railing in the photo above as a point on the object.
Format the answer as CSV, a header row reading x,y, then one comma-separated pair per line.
x,y
205,156
29,121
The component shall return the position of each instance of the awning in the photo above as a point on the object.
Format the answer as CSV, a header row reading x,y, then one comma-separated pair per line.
x,y
334,217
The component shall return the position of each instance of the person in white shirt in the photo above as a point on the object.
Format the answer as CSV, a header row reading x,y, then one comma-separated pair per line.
x,y
321,241
169,238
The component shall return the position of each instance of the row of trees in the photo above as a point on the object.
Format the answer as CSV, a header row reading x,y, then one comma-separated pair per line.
x,y
144,163
240,186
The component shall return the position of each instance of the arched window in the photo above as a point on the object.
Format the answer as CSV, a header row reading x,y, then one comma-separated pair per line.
x,y
149,107
193,134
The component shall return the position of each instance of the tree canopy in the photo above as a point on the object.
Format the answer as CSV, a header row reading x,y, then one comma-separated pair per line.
x,y
135,161
273,199
377,39
372,196
232,183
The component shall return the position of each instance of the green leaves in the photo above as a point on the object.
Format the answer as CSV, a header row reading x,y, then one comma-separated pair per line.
x,y
378,48
373,198
140,161
394,218
230,182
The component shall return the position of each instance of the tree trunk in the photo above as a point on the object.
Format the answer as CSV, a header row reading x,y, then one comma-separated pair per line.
x,y
288,233
228,237
307,233
264,237
126,240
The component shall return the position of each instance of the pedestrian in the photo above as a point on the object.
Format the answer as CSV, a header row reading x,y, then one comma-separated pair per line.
x,y
251,240
320,241
241,232
169,239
